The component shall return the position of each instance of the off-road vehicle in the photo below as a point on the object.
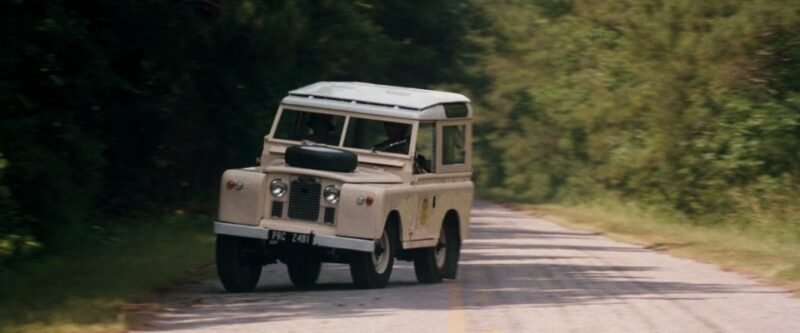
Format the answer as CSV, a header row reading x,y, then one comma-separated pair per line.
x,y
352,173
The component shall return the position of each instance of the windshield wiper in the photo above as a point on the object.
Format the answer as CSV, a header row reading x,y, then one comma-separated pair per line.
x,y
389,145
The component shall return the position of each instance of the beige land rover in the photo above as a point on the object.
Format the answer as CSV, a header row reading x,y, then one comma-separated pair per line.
x,y
353,173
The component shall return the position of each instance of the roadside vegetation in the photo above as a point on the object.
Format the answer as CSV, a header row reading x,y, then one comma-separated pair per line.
x,y
691,108
674,124
85,283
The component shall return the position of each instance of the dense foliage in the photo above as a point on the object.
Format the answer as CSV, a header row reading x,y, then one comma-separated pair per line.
x,y
112,107
691,106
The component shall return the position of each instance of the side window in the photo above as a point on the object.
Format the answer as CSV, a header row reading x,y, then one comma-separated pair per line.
x,y
453,145
426,149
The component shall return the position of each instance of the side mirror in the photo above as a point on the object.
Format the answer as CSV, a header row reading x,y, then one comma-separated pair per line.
x,y
422,164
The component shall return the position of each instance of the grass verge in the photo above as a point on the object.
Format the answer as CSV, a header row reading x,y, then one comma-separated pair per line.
x,y
767,252
85,288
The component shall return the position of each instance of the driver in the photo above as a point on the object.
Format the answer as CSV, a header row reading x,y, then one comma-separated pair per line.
x,y
321,127
397,138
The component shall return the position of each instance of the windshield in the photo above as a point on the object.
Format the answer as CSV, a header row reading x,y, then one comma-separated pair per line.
x,y
361,133
385,136
317,127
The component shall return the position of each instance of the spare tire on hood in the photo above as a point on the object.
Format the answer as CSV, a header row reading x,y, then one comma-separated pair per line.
x,y
321,158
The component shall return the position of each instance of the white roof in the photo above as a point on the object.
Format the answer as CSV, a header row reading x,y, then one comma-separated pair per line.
x,y
379,95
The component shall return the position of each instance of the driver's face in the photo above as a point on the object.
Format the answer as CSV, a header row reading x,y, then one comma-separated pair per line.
x,y
319,127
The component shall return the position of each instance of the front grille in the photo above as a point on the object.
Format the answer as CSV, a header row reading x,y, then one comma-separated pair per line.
x,y
304,197
277,209
330,213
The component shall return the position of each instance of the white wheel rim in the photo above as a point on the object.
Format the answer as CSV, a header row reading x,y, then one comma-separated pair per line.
x,y
380,256
440,251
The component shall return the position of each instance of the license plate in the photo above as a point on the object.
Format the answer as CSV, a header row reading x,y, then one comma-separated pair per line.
x,y
276,236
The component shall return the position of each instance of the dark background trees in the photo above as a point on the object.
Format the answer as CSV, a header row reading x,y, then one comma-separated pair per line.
x,y
113,107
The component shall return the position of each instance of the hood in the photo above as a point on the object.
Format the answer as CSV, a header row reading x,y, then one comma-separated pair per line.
x,y
362,174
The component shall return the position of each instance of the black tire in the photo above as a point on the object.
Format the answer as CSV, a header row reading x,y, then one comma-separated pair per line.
x,y
238,264
321,158
425,266
433,264
371,270
453,246
304,272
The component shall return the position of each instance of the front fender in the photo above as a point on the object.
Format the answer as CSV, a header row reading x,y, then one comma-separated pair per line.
x,y
244,202
365,220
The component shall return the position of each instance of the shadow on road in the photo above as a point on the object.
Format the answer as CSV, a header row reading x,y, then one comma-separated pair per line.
x,y
501,266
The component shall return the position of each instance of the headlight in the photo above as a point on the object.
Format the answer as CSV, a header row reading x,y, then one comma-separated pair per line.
x,y
331,194
278,188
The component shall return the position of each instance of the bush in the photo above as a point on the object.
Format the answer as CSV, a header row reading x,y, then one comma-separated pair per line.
x,y
683,104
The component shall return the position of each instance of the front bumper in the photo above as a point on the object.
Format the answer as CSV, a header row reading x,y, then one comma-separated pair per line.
x,y
335,242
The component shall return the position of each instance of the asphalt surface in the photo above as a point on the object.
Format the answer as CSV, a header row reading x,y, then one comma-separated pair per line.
x,y
518,273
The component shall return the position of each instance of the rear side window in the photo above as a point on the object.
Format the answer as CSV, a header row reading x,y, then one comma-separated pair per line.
x,y
453,145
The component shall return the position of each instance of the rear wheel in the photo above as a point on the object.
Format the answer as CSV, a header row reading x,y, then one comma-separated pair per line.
x,y
450,251
304,272
238,264
441,261
372,269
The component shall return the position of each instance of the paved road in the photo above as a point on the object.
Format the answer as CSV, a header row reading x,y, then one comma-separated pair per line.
x,y
518,273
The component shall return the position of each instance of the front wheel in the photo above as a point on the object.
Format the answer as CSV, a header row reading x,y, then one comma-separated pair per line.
x,y
304,272
238,264
371,270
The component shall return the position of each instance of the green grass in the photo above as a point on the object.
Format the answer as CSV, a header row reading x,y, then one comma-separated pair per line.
x,y
85,287
768,251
